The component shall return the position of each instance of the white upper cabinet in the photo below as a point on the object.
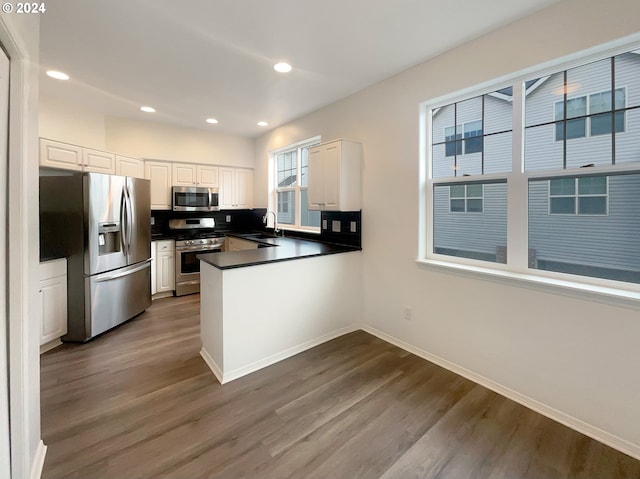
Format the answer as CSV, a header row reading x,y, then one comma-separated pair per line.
x,y
60,155
335,176
97,161
207,175
126,166
185,174
159,173
236,188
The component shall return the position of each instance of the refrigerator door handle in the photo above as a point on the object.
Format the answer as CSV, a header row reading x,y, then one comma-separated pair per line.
x,y
120,273
124,223
130,217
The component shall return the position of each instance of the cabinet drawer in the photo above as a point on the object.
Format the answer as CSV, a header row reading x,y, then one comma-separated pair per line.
x,y
165,246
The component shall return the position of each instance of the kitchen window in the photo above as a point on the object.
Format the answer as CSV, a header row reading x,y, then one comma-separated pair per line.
x,y
291,166
546,193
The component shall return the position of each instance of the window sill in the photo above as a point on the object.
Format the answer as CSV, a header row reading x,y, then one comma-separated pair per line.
x,y
600,294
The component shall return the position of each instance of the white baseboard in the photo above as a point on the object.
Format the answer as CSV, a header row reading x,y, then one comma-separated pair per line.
x,y
38,461
215,369
50,345
594,432
225,377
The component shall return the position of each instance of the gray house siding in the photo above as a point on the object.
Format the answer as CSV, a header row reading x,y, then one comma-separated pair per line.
x,y
475,235
609,241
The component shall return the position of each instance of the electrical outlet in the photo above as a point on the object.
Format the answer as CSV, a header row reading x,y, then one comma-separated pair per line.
x,y
324,224
354,227
335,226
228,218
407,313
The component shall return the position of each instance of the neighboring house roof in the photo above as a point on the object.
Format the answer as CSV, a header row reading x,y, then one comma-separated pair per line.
x,y
288,181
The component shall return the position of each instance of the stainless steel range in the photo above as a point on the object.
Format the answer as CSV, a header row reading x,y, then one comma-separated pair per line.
x,y
193,237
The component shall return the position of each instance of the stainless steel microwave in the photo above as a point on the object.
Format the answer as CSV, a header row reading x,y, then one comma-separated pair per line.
x,y
194,198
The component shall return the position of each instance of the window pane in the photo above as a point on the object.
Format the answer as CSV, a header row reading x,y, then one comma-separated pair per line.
x,y
473,145
601,124
497,153
562,186
576,128
627,71
457,206
474,206
474,191
577,107
475,236
628,145
596,185
307,218
592,205
457,191
591,243
286,207
563,205
442,165
600,102
541,152
498,112
441,119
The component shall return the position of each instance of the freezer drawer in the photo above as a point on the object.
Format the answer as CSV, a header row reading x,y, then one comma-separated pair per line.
x,y
116,296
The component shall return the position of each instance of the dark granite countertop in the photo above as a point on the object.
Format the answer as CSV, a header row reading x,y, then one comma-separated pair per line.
x,y
271,250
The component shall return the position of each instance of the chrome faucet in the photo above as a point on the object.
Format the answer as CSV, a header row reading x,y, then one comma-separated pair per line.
x,y
275,221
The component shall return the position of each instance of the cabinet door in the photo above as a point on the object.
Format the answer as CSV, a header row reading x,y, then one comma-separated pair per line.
x,y
314,191
331,157
226,193
243,186
53,308
60,155
207,175
129,166
184,175
98,161
165,274
160,175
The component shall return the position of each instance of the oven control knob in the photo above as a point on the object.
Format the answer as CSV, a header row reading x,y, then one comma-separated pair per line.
x,y
203,241
189,242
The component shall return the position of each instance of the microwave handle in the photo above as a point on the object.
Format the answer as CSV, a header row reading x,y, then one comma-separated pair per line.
x,y
210,199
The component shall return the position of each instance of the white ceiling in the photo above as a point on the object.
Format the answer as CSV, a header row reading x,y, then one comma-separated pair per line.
x,y
194,59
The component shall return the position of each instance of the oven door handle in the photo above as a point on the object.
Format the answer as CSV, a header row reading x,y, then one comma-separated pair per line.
x,y
196,248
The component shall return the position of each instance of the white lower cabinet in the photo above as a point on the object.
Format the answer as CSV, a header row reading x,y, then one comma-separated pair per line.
x,y
52,296
165,279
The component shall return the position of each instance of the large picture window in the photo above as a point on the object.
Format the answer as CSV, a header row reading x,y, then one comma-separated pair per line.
x,y
542,175
291,183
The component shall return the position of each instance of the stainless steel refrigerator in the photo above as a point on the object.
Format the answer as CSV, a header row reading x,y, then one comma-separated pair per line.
x,y
102,225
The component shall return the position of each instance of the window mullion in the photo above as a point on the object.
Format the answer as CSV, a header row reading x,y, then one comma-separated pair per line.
x,y
517,190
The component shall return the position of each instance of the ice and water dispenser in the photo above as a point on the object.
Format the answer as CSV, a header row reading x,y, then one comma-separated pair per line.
x,y
109,238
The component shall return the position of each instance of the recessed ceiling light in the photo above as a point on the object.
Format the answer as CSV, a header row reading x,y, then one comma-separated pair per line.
x,y
262,123
213,121
58,75
148,109
282,67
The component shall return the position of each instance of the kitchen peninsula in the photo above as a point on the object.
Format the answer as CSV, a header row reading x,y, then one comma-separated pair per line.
x,y
262,305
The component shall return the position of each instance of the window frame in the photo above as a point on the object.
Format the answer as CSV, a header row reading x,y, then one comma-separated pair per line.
x,y
296,189
516,270
466,199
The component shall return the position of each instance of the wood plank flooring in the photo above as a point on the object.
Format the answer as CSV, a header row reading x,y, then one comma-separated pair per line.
x,y
139,402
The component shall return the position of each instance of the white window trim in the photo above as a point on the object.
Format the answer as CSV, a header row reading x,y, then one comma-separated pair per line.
x,y
273,189
516,271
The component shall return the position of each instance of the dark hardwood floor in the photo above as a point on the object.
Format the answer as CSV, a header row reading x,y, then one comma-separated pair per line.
x,y
139,402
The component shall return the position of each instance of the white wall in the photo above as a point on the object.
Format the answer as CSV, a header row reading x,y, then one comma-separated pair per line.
x,y
19,34
571,355
147,139
71,123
